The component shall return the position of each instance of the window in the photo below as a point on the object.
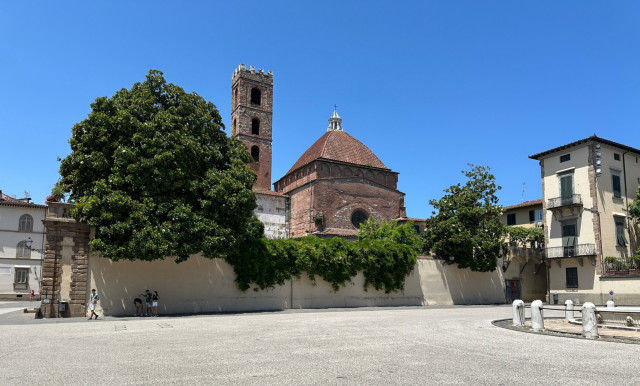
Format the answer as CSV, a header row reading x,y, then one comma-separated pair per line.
x,y
358,217
25,223
511,219
22,251
572,277
255,153
21,280
566,188
615,183
255,96
565,158
569,239
621,240
539,215
255,126
532,215
616,156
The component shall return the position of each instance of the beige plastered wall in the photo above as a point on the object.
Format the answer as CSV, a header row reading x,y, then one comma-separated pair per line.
x,y
207,285
533,283
592,287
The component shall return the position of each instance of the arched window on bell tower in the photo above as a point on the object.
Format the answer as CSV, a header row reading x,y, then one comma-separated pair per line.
x,y
255,126
255,153
255,96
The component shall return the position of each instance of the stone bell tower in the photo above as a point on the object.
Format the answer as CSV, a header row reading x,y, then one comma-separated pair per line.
x,y
251,118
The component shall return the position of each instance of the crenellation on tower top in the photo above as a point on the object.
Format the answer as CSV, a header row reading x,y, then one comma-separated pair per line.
x,y
251,70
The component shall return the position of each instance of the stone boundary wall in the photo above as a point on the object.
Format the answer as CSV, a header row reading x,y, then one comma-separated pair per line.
x,y
202,285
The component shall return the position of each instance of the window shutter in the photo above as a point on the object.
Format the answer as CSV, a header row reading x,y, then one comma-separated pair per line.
x,y
566,188
617,192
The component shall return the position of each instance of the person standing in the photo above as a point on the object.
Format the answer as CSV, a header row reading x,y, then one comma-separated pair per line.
x,y
93,301
155,299
147,299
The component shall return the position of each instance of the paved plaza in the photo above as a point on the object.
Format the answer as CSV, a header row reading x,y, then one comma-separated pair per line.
x,y
372,346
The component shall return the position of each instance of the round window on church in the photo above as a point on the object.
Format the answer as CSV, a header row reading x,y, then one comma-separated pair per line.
x,y
358,217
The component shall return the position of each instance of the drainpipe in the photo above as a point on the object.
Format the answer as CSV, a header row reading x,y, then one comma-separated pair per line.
x,y
626,197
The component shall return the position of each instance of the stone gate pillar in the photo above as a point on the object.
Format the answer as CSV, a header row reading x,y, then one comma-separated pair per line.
x,y
66,263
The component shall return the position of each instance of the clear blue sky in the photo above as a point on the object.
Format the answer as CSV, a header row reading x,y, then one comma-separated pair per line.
x,y
429,86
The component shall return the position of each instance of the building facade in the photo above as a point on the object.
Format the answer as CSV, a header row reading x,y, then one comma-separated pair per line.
x,y
524,269
333,187
587,187
20,266
337,184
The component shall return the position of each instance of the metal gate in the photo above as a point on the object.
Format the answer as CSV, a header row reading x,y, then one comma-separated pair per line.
x,y
512,290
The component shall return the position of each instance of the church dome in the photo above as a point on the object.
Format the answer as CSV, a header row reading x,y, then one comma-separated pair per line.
x,y
338,145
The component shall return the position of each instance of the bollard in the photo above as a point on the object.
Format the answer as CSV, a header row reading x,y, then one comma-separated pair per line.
x,y
568,311
610,304
589,321
537,319
518,312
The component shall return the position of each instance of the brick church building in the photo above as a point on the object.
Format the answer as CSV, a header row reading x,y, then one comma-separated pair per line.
x,y
333,187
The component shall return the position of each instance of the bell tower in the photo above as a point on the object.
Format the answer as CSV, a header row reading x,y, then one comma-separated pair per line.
x,y
251,118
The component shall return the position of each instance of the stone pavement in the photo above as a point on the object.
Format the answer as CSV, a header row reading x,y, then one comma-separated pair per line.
x,y
372,346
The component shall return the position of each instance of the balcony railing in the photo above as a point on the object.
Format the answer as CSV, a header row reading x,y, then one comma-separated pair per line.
x,y
527,253
621,267
571,251
558,202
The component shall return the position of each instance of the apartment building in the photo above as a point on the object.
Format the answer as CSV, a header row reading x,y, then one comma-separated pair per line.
x,y
587,187
21,245
525,272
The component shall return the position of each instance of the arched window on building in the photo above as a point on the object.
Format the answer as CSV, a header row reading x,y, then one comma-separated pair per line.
x,y
255,96
255,126
255,153
22,251
25,224
236,95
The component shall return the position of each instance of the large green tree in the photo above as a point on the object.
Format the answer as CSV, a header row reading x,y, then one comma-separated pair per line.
x,y
153,171
634,208
466,226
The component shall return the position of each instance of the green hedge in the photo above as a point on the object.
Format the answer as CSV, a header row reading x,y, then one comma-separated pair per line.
x,y
384,259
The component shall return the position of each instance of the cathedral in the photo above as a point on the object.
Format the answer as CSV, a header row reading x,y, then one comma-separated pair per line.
x,y
333,187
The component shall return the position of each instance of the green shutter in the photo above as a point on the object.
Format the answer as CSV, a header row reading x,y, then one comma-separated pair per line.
x,y
566,186
617,192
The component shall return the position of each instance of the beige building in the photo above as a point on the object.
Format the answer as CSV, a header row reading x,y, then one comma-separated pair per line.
x,y
21,244
587,187
525,272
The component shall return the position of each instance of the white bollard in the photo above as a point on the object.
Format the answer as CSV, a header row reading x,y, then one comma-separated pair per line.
x,y
537,319
568,311
610,304
589,321
518,312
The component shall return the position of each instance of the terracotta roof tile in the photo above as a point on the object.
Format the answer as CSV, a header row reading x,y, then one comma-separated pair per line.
x,y
337,232
269,192
10,201
525,204
339,146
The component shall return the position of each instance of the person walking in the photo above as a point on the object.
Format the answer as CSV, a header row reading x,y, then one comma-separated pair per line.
x,y
93,301
154,303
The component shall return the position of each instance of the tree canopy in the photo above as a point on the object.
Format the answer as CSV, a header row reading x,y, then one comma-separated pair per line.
x,y
466,226
153,171
634,208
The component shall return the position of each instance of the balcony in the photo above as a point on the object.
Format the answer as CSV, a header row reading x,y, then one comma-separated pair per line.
x,y
580,250
520,253
621,267
575,200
